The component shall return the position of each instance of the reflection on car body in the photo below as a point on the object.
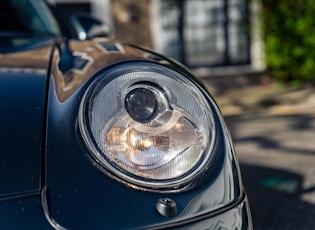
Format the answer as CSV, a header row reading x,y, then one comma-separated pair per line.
x,y
97,134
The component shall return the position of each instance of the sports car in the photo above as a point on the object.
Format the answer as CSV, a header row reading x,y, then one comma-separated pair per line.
x,y
101,134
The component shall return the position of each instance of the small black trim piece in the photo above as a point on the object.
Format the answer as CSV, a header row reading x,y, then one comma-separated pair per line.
x,y
166,207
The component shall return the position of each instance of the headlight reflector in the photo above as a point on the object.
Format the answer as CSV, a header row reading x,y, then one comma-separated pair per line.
x,y
141,104
148,125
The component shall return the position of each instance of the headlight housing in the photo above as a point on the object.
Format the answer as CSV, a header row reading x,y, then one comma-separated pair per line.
x,y
148,125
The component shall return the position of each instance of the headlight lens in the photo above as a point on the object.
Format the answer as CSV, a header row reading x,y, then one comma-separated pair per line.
x,y
148,125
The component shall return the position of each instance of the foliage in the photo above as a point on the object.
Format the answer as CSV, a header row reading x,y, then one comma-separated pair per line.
x,y
289,29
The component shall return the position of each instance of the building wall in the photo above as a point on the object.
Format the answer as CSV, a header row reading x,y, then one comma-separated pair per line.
x,y
150,24
204,23
132,21
100,9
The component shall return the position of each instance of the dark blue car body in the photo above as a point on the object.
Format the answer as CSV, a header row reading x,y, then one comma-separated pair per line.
x,y
48,177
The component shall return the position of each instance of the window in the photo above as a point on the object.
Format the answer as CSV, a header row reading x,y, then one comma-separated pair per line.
x,y
207,32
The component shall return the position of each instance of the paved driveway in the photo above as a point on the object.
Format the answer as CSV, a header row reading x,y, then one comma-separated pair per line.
x,y
277,157
273,129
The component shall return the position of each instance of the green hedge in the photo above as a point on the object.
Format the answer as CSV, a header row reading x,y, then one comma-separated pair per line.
x,y
289,30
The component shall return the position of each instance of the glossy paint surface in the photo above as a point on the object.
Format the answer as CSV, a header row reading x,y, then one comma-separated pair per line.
x,y
22,99
48,179
81,195
50,153
23,212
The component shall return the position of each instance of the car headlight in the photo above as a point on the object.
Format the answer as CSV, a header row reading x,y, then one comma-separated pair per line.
x,y
148,125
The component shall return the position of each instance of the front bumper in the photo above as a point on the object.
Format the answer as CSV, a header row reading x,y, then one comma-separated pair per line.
x,y
27,213
234,216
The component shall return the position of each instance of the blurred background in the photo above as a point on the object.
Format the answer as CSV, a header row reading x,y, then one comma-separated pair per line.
x,y
187,30
257,59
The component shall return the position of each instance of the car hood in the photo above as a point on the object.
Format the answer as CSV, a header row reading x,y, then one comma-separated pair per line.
x,y
23,77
